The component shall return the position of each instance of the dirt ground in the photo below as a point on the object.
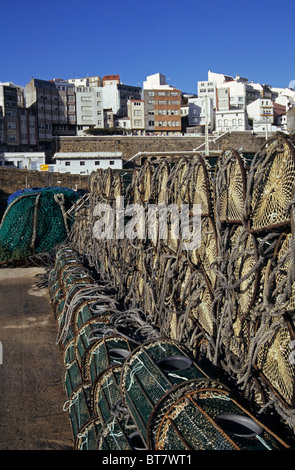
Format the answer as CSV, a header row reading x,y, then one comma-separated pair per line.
x,y
32,371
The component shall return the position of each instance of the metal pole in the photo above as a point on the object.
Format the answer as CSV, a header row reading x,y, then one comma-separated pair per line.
x,y
206,127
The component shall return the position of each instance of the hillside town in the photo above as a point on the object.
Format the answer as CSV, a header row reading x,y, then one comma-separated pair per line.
x,y
31,116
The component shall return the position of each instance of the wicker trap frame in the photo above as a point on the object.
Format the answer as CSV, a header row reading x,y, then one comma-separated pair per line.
x,y
207,418
78,407
90,332
205,255
243,269
200,185
270,186
275,332
230,187
103,353
141,183
87,437
120,433
150,371
106,392
159,183
178,183
274,358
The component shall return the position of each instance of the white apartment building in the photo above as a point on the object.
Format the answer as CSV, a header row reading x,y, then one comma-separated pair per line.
x,y
201,109
261,113
89,108
83,163
286,97
231,120
207,88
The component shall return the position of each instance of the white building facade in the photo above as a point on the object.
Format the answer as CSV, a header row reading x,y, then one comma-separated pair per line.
x,y
201,110
25,160
261,113
89,108
231,120
83,163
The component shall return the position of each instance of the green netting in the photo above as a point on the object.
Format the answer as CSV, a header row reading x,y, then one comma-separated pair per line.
x,y
73,378
120,434
87,438
106,392
35,223
79,408
150,372
208,419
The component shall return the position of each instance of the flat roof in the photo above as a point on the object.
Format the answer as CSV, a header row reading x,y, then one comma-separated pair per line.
x,y
85,155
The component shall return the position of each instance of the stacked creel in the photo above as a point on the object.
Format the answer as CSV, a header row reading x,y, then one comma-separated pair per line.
x,y
230,300
82,306
255,291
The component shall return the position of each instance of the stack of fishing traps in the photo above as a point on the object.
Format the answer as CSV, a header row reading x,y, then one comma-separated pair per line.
x,y
174,348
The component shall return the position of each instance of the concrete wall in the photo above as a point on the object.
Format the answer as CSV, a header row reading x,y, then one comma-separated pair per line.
x,y
130,145
12,179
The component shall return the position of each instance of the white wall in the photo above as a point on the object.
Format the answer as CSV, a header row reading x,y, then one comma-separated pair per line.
x,y
231,120
84,164
28,160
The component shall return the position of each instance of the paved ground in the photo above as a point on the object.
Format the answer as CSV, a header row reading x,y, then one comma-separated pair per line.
x,y
32,369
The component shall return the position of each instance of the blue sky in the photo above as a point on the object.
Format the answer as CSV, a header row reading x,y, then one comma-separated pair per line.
x,y
182,40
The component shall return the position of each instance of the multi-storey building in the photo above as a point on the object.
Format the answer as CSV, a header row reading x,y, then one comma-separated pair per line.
x,y
66,124
208,88
231,120
9,114
136,116
261,112
89,108
201,112
54,103
42,96
116,96
162,106
28,128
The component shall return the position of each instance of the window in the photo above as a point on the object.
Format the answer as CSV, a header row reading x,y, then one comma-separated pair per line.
x,y
150,93
137,112
112,162
67,163
82,163
161,93
151,123
97,162
137,122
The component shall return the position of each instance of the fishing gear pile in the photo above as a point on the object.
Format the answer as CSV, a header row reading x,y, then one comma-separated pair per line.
x,y
229,304
34,222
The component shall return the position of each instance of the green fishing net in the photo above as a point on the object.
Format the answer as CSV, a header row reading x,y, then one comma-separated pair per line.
x,y
35,223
